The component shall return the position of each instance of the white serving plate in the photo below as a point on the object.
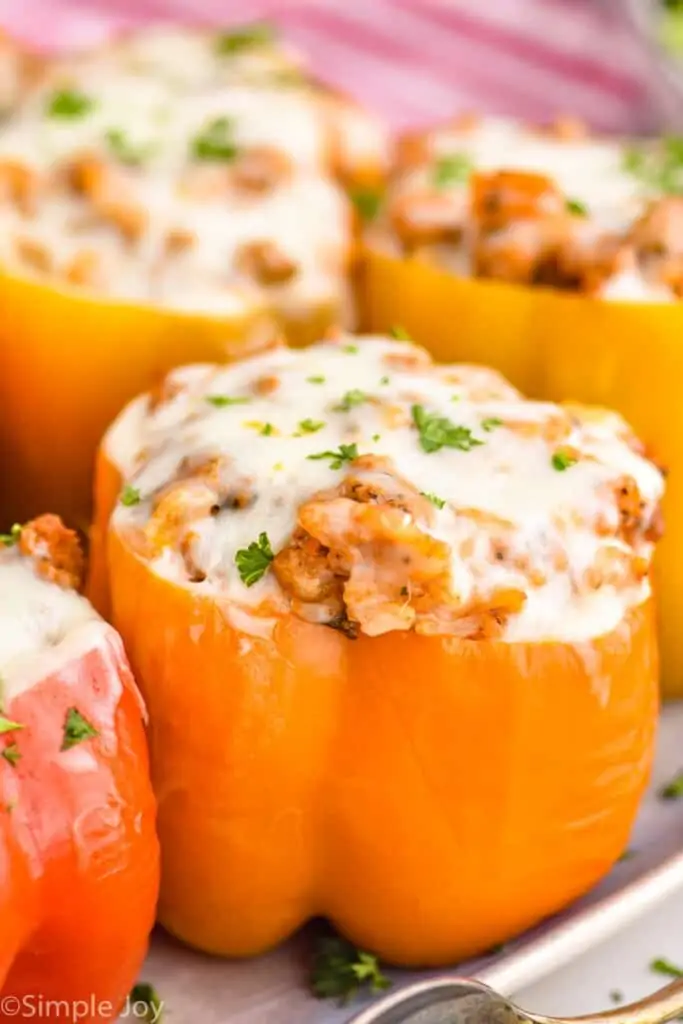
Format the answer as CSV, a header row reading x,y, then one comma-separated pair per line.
x,y
272,990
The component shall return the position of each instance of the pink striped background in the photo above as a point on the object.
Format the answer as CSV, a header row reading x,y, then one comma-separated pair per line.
x,y
416,60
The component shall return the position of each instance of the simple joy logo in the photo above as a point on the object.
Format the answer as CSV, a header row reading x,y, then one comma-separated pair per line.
x,y
37,1007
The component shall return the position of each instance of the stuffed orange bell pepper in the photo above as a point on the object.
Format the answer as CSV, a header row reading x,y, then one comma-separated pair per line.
x,y
170,198
554,256
393,624
78,850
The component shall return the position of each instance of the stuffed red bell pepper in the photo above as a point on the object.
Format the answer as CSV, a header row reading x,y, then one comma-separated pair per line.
x,y
78,850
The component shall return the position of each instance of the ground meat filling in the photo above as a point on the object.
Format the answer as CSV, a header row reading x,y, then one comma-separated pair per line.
x,y
55,551
658,239
204,486
361,561
568,210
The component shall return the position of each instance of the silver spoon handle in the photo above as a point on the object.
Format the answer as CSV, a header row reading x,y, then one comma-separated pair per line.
x,y
661,1006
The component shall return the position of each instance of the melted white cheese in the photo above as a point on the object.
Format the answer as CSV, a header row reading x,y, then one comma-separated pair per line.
x,y
269,440
162,90
187,59
590,170
41,624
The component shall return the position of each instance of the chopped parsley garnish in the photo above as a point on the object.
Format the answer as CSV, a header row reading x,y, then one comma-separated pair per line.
x,y
368,203
438,432
438,502
453,169
345,453
126,151
129,496
77,729
7,725
562,460
671,26
316,379
216,141
11,754
264,429
673,789
339,970
490,423
352,350
310,426
633,161
291,77
576,207
616,996
663,966
259,34
660,167
671,179
222,401
145,995
11,538
69,103
350,400
252,562
384,380
375,438
399,333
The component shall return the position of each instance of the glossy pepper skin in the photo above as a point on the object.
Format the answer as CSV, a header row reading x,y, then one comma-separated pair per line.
x,y
79,859
625,356
69,363
431,796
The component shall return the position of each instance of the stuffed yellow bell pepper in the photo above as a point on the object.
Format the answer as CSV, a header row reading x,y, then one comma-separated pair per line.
x,y
173,197
556,257
393,624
